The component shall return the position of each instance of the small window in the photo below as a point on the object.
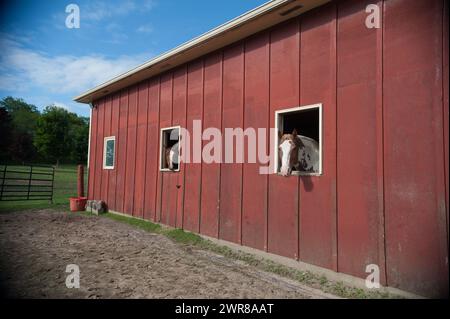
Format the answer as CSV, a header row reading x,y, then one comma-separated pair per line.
x,y
306,123
170,149
109,152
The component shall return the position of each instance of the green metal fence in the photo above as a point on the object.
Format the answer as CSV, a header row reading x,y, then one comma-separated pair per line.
x,y
26,182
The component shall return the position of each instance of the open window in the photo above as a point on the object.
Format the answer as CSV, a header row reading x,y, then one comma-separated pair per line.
x,y
169,158
307,122
109,152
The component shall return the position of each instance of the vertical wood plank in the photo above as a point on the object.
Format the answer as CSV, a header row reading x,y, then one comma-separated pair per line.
x,y
152,158
416,234
179,119
318,85
445,104
232,117
114,132
131,151
212,118
99,151
256,115
106,133
93,153
165,120
121,142
141,149
358,195
284,93
192,185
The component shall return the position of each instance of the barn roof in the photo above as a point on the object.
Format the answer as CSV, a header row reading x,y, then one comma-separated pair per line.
x,y
260,18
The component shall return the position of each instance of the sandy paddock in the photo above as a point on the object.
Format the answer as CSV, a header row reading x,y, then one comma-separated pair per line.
x,y
119,261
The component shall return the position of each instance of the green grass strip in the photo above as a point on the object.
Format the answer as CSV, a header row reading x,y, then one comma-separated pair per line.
x,y
305,277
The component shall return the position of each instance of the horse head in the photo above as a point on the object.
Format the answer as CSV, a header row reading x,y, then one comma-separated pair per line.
x,y
171,155
288,152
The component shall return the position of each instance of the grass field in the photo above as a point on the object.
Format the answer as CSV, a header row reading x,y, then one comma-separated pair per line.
x,y
65,186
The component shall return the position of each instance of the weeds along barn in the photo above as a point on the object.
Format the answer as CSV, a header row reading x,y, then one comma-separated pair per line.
x,y
374,99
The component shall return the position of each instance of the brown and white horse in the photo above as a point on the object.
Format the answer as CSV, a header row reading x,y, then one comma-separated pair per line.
x,y
299,152
171,156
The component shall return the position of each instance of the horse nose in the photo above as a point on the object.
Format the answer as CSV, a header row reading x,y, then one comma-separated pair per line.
x,y
284,171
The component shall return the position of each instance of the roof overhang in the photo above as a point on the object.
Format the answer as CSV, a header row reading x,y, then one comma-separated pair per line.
x,y
258,19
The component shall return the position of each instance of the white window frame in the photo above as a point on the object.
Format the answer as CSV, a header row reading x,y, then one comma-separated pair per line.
x,y
105,142
161,153
279,125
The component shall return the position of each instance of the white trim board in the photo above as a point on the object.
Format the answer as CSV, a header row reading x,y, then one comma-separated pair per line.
x,y
105,140
162,130
277,129
263,17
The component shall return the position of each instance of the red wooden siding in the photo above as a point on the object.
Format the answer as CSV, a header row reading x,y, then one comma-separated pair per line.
x,y
179,119
284,93
232,112
141,149
416,233
92,153
212,117
445,105
106,133
130,157
114,132
358,201
152,158
383,195
99,150
192,184
256,114
318,198
166,210
121,142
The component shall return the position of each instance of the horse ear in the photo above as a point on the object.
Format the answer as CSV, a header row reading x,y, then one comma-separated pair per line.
x,y
294,132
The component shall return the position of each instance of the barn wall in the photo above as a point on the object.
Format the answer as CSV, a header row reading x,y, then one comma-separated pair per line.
x,y
416,232
382,197
212,117
359,200
192,180
318,195
256,114
232,116
283,208
166,190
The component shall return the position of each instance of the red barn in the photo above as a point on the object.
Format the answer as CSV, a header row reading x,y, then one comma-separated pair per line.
x,y
376,91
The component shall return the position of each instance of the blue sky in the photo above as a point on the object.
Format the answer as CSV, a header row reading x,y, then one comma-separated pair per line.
x,y
44,62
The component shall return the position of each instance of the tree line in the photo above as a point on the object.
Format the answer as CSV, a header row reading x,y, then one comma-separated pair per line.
x,y
52,136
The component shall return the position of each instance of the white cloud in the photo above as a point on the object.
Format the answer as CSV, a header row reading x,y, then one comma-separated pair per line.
x,y
22,68
145,29
97,11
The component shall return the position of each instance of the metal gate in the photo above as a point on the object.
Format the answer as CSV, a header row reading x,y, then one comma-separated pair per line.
x,y
28,182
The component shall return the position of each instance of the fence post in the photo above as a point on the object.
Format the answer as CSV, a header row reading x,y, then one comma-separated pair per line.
x,y
29,182
53,183
80,181
3,181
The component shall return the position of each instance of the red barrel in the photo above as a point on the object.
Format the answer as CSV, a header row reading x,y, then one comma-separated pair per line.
x,y
78,204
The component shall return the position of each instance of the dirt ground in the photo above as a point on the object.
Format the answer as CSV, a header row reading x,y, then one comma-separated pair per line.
x,y
119,261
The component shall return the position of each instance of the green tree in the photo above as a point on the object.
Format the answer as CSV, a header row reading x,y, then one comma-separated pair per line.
x,y
23,117
5,134
62,136
80,139
52,138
